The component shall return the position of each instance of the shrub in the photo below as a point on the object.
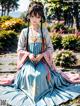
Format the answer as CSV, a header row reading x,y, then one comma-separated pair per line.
x,y
8,40
5,18
65,58
71,42
77,48
59,27
56,41
15,24
49,28
70,30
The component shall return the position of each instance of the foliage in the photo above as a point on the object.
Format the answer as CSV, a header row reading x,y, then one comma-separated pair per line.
x,y
78,44
60,27
7,6
4,18
56,40
71,42
15,24
49,28
67,41
65,58
8,40
57,26
58,9
70,30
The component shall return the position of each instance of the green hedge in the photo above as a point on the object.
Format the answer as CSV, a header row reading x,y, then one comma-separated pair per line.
x,y
8,40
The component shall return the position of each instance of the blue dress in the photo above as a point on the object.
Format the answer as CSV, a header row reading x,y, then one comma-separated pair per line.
x,y
32,88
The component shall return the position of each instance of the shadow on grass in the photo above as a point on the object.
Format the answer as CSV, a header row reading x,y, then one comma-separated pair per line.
x,y
71,68
6,52
72,102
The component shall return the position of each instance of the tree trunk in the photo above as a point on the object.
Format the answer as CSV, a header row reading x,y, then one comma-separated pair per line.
x,y
8,12
2,10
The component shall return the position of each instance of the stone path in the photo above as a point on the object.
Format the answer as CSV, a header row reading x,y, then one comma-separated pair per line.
x,y
8,62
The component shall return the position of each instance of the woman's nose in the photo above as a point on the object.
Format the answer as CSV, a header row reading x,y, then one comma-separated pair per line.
x,y
34,18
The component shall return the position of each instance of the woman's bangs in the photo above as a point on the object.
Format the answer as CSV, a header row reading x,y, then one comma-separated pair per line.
x,y
36,12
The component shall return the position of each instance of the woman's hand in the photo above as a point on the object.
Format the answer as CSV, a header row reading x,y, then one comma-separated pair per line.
x,y
38,57
35,59
31,57
27,53
23,55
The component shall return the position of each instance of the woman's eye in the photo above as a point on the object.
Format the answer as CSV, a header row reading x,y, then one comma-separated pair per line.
x,y
32,16
35,16
38,17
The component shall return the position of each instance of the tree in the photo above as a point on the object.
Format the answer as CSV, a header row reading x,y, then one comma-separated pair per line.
x,y
2,3
69,11
8,5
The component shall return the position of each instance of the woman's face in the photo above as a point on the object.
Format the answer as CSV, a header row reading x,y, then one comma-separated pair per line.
x,y
35,20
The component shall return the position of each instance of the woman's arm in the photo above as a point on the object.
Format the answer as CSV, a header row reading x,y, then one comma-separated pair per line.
x,y
21,49
49,51
23,57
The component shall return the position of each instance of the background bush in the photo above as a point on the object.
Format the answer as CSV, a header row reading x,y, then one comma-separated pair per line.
x,y
4,18
65,58
60,27
70,30
71,42
8,40
56,41
15,24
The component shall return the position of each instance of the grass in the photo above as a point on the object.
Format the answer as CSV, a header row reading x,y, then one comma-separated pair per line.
x,y
70,102
12,63
1,63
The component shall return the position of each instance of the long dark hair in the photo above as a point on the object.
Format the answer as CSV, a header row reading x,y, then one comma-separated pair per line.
x,y
36,8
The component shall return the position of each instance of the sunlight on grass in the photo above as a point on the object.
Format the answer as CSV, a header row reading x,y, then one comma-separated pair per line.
x,y
12,63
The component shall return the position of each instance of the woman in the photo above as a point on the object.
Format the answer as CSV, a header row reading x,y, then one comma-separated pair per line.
x,y
37,82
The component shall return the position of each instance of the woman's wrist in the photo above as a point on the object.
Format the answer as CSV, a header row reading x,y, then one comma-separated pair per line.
x,y
27,53
42,54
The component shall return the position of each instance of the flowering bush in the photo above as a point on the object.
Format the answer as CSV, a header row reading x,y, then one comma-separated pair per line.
x,y
15,24
77,33
4,18
57,26
65,58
